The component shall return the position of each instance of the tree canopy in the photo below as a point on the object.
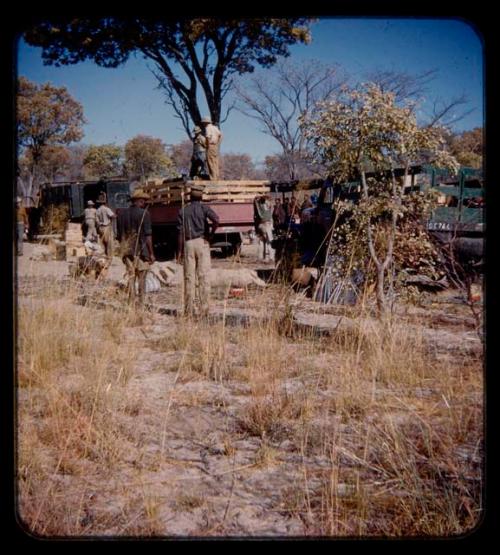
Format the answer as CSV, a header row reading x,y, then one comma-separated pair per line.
x,y
276,100
46,115
145,157
103,160
187,53
364,130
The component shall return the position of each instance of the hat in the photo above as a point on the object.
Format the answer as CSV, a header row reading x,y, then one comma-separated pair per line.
x,y
139,193
206,119
197,191
90,203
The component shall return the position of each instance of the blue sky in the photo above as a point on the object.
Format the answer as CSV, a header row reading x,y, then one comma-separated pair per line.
x,y
123,102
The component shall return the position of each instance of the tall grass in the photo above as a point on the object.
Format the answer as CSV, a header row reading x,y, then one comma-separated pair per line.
x,y
72,369
386,438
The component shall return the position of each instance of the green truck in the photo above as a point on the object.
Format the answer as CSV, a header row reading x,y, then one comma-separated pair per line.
x,y
459,218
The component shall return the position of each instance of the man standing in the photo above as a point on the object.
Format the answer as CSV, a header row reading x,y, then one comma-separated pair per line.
x,y
21,225
89,215
213,139
279,215
263,215
199,159
194,233
136,243
105,216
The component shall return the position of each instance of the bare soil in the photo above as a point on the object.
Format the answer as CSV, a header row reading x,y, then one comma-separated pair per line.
x,y
196,458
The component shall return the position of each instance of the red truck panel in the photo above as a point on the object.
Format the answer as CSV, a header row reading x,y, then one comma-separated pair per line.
x,y
237,215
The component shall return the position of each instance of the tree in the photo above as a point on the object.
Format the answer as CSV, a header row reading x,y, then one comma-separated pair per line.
x,y
75,169
237,166
186,53
181,154
46,116
467,147
146,157
365,130
277,101
103,161
414,87
52,164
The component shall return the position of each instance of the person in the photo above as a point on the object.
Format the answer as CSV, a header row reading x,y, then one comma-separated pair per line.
x,y
89,215
134,232
293,209
213,137
306,203
279,215
21,225
199,158
286,208
104,218
263,214
196,223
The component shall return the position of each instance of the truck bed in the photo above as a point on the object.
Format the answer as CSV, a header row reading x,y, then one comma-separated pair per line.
x,y
234,217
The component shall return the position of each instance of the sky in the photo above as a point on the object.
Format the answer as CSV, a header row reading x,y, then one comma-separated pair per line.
x,y
123,102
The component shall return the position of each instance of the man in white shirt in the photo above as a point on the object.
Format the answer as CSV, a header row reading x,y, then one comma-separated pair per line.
x,y
89,215
214,138
104,217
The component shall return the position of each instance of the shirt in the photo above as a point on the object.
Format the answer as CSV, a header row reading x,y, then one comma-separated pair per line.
x,y
263,211
213,134
193,219
199,146
133,228
104,215
89,213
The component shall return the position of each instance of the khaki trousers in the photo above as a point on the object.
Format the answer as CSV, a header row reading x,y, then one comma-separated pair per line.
x,y
213,161
91,230
265,232
137,270
107,240
196,269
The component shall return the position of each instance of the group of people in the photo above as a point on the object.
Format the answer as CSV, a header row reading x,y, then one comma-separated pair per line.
x,y
289,211
99,225
271,220
205,158
196,224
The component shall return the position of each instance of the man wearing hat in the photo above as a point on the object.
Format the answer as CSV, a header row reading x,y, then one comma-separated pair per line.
x,y
213,139
199,158
196,223
89,215
136,242
104,218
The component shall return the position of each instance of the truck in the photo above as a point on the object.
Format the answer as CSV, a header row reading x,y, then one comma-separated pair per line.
x,y
459,217
457,220
72,196
231,200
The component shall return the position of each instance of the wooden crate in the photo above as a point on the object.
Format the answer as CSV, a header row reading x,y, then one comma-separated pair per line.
x,y
166,192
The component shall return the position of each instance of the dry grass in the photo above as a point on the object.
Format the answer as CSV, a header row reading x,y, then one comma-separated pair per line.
x,y
381,438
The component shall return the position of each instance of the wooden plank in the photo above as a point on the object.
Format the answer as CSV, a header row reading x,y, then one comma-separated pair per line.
x,y
231,182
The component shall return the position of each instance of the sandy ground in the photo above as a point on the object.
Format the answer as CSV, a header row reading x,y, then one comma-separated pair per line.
x,y
186,449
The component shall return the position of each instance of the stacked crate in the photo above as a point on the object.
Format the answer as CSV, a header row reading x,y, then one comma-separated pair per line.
x,y
73,238
167,192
